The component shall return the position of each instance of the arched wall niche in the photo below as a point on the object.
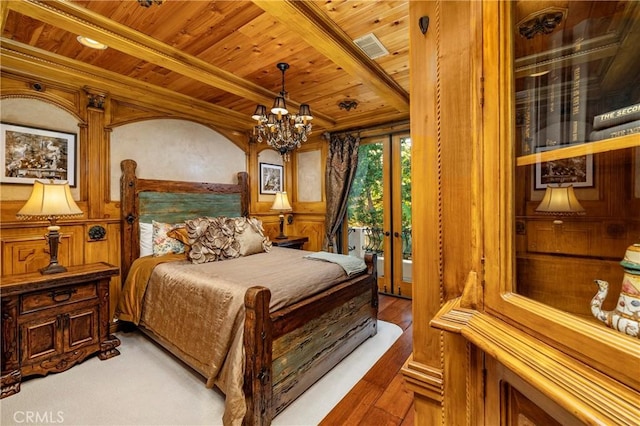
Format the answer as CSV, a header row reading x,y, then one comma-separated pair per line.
x,y
136,115
269,156
174,149
43,112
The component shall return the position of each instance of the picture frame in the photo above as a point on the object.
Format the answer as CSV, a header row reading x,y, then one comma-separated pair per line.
x,y
577,171
30,153
271,178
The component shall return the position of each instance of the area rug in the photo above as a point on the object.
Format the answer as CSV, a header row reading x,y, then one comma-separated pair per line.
x,y
147,386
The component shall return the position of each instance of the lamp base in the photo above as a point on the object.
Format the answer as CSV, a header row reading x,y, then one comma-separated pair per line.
x,y
281,236
53,268
53,238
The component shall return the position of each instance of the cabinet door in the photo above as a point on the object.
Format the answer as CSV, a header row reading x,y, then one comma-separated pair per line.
x,y
50,340
40,338
553,68
81,328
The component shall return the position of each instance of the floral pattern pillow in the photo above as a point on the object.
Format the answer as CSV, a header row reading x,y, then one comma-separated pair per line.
x,y
162,243
212,239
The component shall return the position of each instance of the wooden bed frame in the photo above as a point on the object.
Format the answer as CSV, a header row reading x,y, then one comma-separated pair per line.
x,y
348,311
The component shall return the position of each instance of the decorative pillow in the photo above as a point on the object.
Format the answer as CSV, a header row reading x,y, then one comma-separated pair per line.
x,y
250,235
162,243
196,228
146,239
212,239
179,233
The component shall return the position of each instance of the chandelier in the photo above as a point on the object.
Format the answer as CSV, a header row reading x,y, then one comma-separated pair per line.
x,y
282,131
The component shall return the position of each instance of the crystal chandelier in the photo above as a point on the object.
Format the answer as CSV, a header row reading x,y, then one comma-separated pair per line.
x,y
283,132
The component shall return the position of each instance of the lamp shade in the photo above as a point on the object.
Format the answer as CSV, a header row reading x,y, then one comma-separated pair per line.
x,y
261,111
271,122
281,202
560,201
49,199
279,106
305,112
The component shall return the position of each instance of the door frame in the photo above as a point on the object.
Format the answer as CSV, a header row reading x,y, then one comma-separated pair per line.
x,y
392,223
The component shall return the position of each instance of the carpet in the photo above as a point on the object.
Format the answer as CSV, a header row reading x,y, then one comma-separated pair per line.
x,y
145,385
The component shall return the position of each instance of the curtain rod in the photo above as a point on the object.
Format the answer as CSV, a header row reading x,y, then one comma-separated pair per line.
x,y
366,130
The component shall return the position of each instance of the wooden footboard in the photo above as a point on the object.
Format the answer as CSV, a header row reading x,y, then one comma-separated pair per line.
x,y
287,351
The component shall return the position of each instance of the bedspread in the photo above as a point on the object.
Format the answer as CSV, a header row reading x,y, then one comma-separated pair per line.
x,y
198,310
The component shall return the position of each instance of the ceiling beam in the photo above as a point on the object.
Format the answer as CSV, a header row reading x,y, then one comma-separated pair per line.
x,y
78,20
317,29
363,121
36,63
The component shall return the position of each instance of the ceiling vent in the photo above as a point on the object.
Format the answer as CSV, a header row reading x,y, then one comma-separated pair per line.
x,y
371,46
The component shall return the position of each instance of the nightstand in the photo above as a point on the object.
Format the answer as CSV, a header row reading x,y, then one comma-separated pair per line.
x,y
290,242
52,322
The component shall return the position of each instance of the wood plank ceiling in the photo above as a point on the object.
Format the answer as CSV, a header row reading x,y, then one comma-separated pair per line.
x,y
219,57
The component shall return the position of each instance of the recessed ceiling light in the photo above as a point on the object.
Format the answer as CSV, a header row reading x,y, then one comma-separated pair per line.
x,y
86,41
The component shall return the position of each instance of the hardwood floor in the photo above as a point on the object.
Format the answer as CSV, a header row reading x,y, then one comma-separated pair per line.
x,y
380,398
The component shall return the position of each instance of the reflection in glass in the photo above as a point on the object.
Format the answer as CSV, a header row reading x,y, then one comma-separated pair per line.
x,y
577,125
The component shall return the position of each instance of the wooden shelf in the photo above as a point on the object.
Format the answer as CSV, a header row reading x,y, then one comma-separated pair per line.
x,y
622,142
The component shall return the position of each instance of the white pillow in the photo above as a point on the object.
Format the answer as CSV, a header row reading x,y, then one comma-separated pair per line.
x,y
146,239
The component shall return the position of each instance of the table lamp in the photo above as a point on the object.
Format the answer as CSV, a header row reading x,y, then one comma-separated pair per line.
x,y
50,200
560,201
281,204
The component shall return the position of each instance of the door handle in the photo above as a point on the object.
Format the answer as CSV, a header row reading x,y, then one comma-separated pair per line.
x,y
396,234
387,233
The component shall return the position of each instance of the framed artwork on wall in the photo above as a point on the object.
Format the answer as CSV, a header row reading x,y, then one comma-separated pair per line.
x,y
271,178
29,153
577,171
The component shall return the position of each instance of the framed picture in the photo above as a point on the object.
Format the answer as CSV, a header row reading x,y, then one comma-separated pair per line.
x,y
271,178
29,153
577,171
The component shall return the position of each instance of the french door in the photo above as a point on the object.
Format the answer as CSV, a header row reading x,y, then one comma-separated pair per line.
x,y
379,210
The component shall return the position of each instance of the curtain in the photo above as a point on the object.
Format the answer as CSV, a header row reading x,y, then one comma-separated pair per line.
x,y
342,162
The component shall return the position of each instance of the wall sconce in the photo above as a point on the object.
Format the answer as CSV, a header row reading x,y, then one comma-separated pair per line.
x,y
51,201
544,22
281,204
560,201
147,3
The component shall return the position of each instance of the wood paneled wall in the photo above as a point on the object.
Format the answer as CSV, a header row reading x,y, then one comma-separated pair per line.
x,y
23,246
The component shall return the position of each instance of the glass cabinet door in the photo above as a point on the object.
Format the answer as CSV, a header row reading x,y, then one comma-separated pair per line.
x,y
568,177
577,119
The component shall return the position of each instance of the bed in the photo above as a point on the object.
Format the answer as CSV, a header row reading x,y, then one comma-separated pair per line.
x,y
283,337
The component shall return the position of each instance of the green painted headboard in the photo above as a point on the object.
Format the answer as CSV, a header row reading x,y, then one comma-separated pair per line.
x,y
174,207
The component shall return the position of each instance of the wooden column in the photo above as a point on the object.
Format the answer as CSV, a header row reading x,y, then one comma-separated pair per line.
x,y
445,91
96,163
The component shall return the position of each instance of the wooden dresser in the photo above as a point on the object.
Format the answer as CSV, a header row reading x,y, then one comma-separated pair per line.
x,y
52,322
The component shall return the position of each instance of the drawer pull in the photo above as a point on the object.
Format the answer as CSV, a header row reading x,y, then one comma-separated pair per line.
x,y
62,295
